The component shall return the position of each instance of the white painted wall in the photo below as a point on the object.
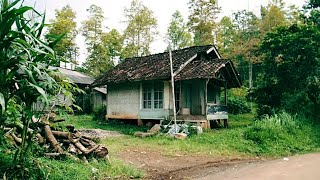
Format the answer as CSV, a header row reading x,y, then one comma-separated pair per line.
x,y
124,99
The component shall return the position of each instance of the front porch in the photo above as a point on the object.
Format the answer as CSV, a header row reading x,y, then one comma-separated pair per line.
x,y
201,101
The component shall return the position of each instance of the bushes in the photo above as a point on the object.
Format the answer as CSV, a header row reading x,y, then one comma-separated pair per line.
x,y
238,106
281,134
100,112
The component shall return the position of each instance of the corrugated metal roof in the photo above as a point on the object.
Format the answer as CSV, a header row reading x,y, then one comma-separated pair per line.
x,y
75,76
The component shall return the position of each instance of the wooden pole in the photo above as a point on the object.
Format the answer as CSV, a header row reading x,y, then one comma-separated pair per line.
x,y
173,94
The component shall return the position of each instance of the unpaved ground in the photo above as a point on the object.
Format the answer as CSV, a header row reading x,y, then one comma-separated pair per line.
x,y
304,167
158,166
99,133
179,166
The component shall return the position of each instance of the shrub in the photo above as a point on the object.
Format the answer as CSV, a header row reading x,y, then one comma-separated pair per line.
x,y
100,112
280,134
238,106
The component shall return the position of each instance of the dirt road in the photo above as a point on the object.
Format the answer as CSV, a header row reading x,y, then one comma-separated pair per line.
x,y
305,167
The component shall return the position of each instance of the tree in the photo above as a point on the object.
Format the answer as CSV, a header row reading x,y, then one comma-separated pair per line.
x,y
203,14
92,27
140,31
178,34
25,77
274,16
225,36
247,37
64,23
290,69
113,41
101,46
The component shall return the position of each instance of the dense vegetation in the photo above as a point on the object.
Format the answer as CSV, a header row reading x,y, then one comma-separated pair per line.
x,y
279,51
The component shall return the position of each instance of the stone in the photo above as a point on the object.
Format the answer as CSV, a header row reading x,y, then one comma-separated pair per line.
x,y
143,134
155,129
180,135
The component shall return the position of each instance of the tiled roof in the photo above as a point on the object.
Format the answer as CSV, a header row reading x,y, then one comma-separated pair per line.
x,y
157,66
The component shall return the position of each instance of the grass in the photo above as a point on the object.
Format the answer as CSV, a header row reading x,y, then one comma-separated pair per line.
x,y
43,168
96,170
297,135
276,136
280,135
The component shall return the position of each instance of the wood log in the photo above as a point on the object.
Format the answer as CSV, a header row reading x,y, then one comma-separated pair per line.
x,y
15,138
58,120
52,154
95,139
83,149
53,141
61,134
101,152
84,159
40,138
72,149
70,128
87,142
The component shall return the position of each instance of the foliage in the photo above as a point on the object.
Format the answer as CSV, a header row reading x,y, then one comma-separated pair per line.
x,y
238,106
282,133
140,30
225,35
100,112
179,37
273,16
92,27
203,14
102,47
291,61
25,76
64,23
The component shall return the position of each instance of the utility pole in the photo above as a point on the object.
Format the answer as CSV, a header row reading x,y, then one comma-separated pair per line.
x,y
173,93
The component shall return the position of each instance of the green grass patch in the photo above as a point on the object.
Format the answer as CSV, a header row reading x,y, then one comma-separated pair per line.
x,y
283,134
95,170
277,136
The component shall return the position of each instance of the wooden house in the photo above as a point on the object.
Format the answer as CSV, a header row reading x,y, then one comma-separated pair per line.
x,y
139,88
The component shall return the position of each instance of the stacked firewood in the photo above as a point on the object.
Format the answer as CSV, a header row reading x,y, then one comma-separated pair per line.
x,y
58,143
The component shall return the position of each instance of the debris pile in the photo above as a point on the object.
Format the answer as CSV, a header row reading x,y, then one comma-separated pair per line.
x,y
58,143
178,131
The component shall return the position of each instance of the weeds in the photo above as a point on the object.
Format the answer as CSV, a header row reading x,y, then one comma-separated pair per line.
x,y
282,134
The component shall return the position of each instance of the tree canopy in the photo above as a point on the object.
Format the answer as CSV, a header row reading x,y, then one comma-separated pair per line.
x,y
140,30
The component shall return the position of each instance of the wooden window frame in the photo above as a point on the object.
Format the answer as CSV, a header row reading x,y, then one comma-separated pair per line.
x,y
156,91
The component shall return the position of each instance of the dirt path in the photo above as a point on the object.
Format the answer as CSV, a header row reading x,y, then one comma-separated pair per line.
x,y
158,166
304,167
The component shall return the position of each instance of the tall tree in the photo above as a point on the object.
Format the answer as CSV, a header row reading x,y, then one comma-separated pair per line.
x,y
64,23
290,69
113,41
274,16
225,36
203,14
140,31
92,27
98,58
178,34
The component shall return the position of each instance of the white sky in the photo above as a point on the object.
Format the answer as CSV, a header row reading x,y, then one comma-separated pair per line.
x,y
163,10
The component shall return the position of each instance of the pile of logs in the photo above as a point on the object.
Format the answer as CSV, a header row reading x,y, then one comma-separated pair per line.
x,y
58,143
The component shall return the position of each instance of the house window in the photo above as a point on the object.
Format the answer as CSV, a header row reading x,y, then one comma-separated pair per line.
x,y
147,93
153,95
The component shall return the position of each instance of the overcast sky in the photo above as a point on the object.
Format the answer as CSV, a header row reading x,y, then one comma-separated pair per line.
x,y
163,10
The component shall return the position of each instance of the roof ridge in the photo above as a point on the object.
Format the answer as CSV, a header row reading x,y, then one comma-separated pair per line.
x,y
165,52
